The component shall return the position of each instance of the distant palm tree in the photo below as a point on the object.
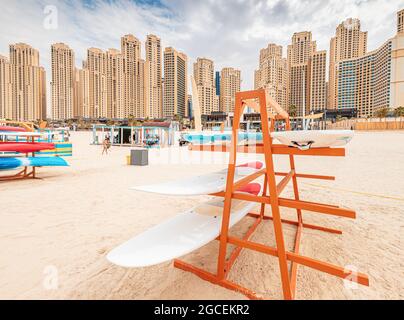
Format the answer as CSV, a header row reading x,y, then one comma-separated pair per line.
x,y
382,113
292,111
399,112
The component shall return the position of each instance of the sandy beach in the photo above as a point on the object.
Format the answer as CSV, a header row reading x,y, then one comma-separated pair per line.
x,y
55,232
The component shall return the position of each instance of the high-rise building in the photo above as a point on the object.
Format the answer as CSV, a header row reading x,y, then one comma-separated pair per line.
x,y
307,74
189,105
133,69
175,83
82,90
62,85
318,83
400,21
374,80
204,78
96,65
115,83
217,83
6,111
230,83
28,84
349,42
272,74
154,89
397,64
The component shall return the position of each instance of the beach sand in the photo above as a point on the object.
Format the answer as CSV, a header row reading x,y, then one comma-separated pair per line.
x,y
55,232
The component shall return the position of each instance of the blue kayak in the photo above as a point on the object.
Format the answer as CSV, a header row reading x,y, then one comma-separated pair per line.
x,y
212,137
12,163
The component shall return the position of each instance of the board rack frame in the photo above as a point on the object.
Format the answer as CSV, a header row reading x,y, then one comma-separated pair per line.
x,y
261,102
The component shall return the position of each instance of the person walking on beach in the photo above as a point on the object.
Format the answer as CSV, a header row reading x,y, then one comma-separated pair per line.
x,y
106,145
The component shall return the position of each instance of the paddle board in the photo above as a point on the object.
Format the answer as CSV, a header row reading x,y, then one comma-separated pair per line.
x,y
201,184
180,235
25,147
307,139
12,163
12,129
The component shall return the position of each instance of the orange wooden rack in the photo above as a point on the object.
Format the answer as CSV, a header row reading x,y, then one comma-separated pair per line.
x,y
260,101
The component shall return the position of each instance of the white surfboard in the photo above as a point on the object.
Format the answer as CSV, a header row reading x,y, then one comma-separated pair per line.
x,y
178,236
306,139
201,184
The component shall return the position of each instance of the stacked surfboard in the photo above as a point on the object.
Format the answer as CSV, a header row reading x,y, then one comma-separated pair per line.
x,y
193,229
17,141
303,139
190,230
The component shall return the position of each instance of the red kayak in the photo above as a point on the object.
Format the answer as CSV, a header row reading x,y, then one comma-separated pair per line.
x,y
25,147
12,129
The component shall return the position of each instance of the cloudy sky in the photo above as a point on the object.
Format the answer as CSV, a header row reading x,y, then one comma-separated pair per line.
x,y
230,32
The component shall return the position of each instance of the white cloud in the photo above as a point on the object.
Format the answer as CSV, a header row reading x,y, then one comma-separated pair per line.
x,y
231,32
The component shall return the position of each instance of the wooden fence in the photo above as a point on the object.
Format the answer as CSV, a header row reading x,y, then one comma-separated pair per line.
x,y
369,124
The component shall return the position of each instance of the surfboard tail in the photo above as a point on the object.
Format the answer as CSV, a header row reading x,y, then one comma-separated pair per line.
x,y
13,163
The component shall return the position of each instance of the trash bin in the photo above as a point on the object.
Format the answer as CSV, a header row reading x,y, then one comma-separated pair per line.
x,y
139,157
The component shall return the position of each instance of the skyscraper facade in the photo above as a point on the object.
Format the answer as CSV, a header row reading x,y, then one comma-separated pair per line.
x,y
373,81
175,100
230,83
28,84
153,76
204,78
307,74
349,42
400,21
272,74
133,71
299,54
62,85
6,110
318,82
96,65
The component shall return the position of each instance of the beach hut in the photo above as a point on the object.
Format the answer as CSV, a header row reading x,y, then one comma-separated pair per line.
x,y
149,134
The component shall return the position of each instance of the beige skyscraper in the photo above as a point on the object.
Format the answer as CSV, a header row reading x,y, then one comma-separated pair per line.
x,y
397,64
204,78
82,90
349,42
373,81
175,83
230,83
272,74
133,70
115,83
154,90
96,65
62,85
306,74
6,111
28,83
400,21
318,90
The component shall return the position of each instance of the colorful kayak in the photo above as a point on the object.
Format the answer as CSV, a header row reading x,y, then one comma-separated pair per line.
x,y
12,163
12,129
25,147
